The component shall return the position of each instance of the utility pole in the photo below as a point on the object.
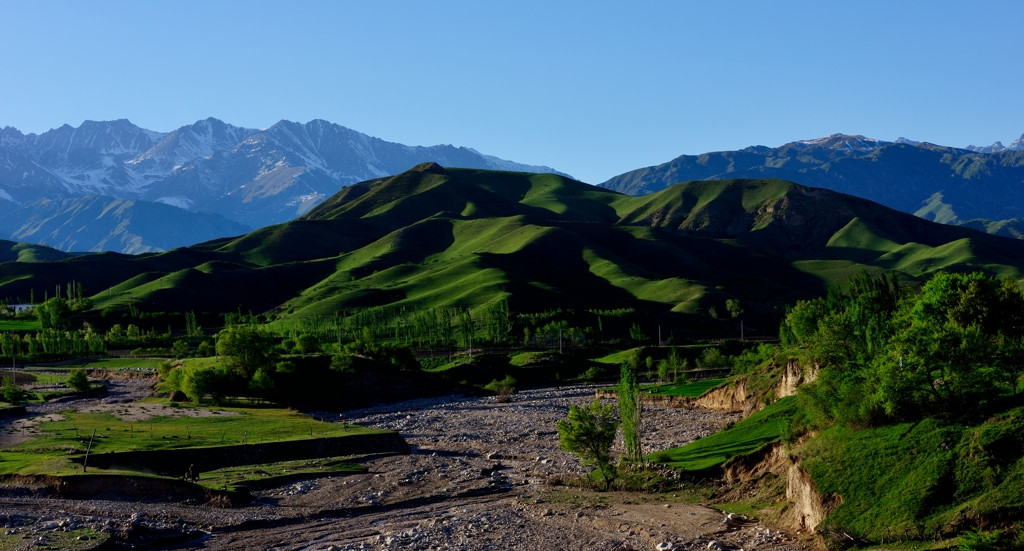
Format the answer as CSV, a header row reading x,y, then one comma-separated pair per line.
x,y
659,335
559,341
741,332
85,462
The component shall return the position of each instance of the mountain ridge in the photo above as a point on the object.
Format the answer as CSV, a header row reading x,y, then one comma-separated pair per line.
x,y
939,183
438,237
207,165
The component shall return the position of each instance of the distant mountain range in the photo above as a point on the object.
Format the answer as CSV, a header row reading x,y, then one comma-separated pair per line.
x,y
943,184
252,177
441,237
97,223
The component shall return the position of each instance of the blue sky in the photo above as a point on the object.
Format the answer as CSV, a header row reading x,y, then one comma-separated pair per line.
x,y
593,89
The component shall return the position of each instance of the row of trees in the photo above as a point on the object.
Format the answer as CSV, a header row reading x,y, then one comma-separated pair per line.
x,y
52,342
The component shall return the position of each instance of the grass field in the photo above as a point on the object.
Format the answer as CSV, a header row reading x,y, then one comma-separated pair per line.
x,y
54,440
745,437
617,358
19,325
112,364
692,389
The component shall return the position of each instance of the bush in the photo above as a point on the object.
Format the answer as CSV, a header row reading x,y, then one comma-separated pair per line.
x,y
180,348
307,344
11,393
712,358
205,350
588,433
504,388
78,381
593,374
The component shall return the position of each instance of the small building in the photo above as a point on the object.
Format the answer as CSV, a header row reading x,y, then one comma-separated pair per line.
x,y
18,308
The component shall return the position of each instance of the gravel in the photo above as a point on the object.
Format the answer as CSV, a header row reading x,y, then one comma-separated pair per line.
x,y
478,478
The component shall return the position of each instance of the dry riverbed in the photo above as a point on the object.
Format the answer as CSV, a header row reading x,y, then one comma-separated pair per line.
x,y
478,478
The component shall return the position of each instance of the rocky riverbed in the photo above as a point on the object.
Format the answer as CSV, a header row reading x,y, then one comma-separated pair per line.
x,y
483,475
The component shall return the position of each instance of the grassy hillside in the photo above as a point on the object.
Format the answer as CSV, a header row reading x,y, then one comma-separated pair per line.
x,y
11,251
435,237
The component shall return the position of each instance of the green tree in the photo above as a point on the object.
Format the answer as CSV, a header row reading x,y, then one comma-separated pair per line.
x,y
307,344
78,380
630,413
198,382
733,307
11,393
261,383
246,348
205,350
637,334
663,368
53,313
713,358
180,348
588,433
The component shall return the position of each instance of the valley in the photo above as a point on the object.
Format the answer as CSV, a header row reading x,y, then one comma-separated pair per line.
x,y
414,361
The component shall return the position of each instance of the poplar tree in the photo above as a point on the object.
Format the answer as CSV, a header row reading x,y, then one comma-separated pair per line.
x,y
630,413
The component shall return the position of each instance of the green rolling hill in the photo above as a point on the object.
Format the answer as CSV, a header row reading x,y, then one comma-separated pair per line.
x,y
443,237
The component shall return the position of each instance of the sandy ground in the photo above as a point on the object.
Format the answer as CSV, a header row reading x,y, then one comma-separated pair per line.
x,y
478,478
121,393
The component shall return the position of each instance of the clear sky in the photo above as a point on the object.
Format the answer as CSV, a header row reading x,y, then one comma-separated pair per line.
x,y
590,88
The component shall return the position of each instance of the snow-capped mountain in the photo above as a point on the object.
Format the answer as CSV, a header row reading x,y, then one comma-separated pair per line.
x,y
1017,145
256,177
842,142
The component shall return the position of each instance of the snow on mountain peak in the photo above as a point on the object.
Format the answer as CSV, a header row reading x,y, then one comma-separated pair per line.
x,y
203,165
1017,145
848,142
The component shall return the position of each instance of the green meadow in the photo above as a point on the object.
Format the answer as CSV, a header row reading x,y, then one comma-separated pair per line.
x,y
54,442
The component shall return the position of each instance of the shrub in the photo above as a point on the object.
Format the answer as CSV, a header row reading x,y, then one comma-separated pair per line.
x,y
593,374
78,381
205,350
713,358
180,348
588,433
11,393
307,344
504,388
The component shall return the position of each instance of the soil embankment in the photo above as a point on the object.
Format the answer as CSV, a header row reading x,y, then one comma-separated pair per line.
x,y
731,397
120,487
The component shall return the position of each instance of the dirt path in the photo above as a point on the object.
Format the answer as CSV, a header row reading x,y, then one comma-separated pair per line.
x,y
478,479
